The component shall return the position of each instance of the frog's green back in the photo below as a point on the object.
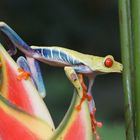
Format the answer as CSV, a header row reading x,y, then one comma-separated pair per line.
x,y
89,60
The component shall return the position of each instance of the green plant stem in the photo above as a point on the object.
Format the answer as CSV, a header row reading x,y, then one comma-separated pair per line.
x,y
136,40
127,60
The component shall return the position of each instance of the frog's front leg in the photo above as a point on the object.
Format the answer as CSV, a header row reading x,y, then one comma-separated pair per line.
x,y
82,92
73,77
31,65
75,80
87,93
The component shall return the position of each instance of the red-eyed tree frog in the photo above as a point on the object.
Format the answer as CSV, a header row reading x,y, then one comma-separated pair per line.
x,y
73,62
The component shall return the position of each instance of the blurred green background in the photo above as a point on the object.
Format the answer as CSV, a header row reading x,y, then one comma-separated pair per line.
x,y
88,26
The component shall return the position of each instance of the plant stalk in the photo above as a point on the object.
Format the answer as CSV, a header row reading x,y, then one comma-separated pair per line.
x,y
127,60
136,42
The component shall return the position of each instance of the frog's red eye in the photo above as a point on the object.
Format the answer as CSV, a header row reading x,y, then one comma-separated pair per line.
x,y
108,62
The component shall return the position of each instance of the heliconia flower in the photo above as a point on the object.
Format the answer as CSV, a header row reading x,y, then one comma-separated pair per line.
x,y
24,115
21,93
16,124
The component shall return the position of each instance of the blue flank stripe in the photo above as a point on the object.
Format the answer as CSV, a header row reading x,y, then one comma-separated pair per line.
x,y
55,54
68,59
46,53
64,57
38,50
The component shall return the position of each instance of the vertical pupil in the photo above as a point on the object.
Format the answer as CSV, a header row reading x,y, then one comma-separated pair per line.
x,y
108,62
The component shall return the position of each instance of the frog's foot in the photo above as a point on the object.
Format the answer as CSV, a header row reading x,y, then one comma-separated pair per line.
x,y
32,66
85,95
23,74
95,124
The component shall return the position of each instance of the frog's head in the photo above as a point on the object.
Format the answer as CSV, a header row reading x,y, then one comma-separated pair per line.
x,y
106,64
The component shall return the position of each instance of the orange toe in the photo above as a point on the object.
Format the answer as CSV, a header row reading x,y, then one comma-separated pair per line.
x,y
95,124
85,96
23,74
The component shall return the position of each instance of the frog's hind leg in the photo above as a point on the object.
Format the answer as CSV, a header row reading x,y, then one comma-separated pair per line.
x,y
31,65
13,40
92,107
5,39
